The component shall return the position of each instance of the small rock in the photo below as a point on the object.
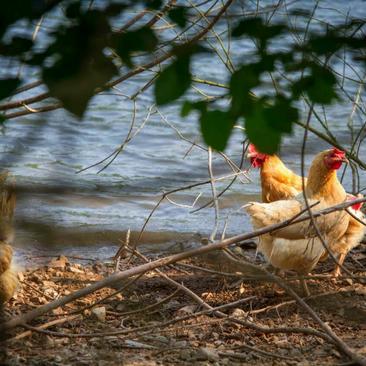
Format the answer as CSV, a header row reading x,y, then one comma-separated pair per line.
x,y
121,307
238,313
349,281
49,341
205,353
186,310
20,276
185,355
99,313
75,270
60,262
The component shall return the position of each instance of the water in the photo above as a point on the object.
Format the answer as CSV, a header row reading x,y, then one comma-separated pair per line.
x,y
87,214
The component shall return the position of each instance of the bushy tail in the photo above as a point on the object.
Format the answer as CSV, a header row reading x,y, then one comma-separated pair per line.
x,y
7,207
8,284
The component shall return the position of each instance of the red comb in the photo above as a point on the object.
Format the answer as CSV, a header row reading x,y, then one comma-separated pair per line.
x,y
251,148
337,151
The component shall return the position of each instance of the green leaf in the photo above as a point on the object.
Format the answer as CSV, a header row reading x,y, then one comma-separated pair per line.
x,y
319,86
2,119
241,82
179,15
7,86
250,27
281,115
143,39
173,81
254,27
188,107
216,127
323,45
260,132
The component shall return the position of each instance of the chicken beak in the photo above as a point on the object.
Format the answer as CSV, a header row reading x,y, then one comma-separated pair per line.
x,y
345,160
251,155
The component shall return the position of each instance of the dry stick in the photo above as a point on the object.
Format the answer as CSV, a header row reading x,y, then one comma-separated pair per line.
x,y
152,306
46,108
44,326
124,244
177,257
119,290
257,350
165,194
228,186
117,277
214,195
151,327
201,302
180,286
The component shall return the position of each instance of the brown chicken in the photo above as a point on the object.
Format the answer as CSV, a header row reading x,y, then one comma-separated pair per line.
x,y
275,181
322,186
280,183
8,276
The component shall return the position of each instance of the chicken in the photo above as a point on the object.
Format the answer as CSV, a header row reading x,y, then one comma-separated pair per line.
x,y
277,181
280,183
8,276
298,248
322,189
352,237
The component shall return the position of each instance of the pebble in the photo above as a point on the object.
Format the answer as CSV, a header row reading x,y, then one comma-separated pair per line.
x,y
99,313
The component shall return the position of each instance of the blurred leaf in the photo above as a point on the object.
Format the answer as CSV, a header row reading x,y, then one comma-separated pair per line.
x,y
153,4
216,128
81,65
75,85
143,39
14,10
319,86
73,10
254,27
326,44
260,132
2,119
188,107
179,15
242,81
173,81
281,115
250,27
114,9
7,86
17,46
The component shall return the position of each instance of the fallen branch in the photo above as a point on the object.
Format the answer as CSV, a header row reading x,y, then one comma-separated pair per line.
x,y
117,277
111,280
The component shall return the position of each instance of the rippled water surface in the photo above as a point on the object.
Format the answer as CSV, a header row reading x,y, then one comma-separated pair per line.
x,y
87,213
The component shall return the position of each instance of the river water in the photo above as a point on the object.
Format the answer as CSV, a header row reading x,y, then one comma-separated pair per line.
x,y
86,214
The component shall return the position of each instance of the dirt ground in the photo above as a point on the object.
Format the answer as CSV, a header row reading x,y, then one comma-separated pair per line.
x,y
159,325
